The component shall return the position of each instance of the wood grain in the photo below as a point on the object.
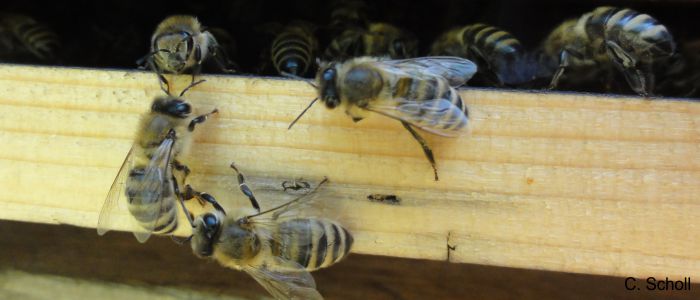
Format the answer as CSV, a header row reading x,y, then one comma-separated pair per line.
x,y
77,264
552,181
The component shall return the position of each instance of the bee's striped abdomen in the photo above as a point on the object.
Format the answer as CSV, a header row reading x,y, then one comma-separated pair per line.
x,y
632,29
495,44
293,50
155,213
34,36
312,243
421,90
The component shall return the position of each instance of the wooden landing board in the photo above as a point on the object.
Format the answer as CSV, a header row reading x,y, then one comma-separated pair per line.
x,y
565,182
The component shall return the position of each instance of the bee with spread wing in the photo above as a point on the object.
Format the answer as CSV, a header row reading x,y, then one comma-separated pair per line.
x,y
418,92
276,247
146,177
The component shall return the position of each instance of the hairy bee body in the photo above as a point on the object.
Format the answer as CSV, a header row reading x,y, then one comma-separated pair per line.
x,y
347,14
31,35
360,82
293,50
312,243
146,177
623,38
179,44
142,202
496,52
377,40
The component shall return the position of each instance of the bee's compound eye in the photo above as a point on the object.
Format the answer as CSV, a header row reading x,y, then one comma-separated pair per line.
x,y
183,108
329,75
210,220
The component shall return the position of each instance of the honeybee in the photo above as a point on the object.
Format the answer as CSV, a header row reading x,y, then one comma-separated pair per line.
x,y
417,92
629,40
294,49
24,34
497,52
180,44
146,176
379,40
680,76
275,247
347,14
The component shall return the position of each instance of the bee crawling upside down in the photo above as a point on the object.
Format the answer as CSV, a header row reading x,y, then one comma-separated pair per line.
x,y
418,92
147,176
277,248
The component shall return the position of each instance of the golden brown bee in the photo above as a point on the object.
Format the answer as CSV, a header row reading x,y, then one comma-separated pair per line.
x,y
275,247
417,92
497,52
146,175
20,33
378,40
180,44
294,49
628,40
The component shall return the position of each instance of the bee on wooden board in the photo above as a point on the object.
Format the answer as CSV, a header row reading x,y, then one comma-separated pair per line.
x,y
181,44
146,176
277,248
497,53
21,34
378,40
294,49
631,41
418,92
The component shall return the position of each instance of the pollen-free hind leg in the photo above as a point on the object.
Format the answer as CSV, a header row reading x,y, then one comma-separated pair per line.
x,y
181,198
245,189
200,119
424,145
563,63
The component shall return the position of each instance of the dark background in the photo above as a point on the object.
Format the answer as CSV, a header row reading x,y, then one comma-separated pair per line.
x,y
116,33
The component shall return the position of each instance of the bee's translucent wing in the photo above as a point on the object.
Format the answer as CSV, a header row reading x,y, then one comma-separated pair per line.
x,y
438,116
285,280
111,204
290,209
457,71
157,174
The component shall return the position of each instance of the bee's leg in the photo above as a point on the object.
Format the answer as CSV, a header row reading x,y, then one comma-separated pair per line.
x,y
200,119
161,78
192,84
202,198
490,73
181,199
245,189
563,63
424,145
222,60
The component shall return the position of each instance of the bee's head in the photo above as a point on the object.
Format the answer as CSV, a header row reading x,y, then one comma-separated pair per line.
x,y
171,106
204,233
327,78
173,49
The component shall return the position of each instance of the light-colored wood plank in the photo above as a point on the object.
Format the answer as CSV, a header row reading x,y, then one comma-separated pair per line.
x,y
48,251
553,181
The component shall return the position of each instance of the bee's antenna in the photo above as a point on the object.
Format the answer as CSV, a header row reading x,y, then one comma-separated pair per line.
x,y
302,113
290,75
179,241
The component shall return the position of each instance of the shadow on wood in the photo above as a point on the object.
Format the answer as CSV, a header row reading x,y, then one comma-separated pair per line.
x,y
162,267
